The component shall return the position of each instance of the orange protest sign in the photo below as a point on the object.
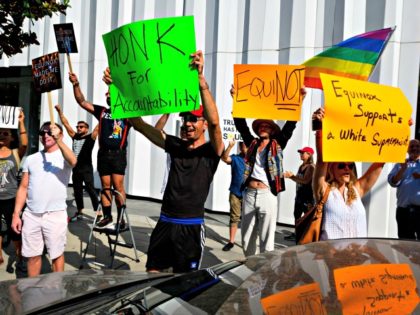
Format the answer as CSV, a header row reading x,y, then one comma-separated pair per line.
x,y
268,91
364,121
376,289
305,299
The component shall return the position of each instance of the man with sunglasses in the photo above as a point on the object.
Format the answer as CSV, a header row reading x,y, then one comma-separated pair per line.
x,y
406,178
45,176
83,143
112,153
177,241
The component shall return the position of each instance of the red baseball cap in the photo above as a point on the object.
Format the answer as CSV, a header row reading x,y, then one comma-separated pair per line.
x,y
307,149
198,112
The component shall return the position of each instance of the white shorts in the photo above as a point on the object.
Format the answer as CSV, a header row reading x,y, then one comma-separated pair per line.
x,y
39,229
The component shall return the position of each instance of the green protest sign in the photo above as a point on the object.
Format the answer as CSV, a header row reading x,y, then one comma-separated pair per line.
x,y
150,67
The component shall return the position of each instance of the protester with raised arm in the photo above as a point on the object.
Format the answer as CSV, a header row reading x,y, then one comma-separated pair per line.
x,y
83,143
46,175
344,214
177,241
237,163
263,180
112,154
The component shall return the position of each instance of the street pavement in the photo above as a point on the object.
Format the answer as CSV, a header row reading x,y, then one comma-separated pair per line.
x,y
143,216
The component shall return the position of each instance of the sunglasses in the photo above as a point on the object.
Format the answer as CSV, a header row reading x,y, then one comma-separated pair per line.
x,y
80,127
342,166
5,133
43,132
191,118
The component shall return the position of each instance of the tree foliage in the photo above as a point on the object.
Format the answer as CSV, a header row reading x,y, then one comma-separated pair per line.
x,y
12,15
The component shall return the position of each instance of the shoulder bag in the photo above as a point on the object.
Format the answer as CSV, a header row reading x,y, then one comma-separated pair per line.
x,y
308,227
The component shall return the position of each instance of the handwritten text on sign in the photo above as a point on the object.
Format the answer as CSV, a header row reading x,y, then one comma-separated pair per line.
x,y
268,91
46,72
364,121
303,300
376,289
150,67
9,116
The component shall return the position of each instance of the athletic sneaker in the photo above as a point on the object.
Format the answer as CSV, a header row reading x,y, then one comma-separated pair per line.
x,y
106,222
228,247
76,217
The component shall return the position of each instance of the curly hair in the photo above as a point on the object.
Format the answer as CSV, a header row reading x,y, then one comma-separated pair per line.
x,y
351,191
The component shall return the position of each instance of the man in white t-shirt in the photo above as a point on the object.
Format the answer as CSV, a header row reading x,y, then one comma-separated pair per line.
x,y
43,187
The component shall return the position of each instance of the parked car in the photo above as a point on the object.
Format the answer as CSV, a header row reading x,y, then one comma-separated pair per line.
x,y
253,286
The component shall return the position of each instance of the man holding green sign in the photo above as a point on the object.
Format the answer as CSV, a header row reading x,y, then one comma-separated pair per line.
x,y
178,238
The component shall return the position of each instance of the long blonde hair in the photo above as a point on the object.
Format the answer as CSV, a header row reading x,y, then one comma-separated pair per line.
x,y
351,191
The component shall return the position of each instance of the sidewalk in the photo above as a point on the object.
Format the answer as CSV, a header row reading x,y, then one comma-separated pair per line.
x,y
143,216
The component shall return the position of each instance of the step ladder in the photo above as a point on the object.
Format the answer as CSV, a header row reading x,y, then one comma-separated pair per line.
x,y
112,233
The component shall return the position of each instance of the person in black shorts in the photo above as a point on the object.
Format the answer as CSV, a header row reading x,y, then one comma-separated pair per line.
x,y
83,143
112,154
177,241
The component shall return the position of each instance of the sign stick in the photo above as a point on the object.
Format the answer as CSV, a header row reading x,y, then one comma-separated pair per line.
x,y
69,61
50,107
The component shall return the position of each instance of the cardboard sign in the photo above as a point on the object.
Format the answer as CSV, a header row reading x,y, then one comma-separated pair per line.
x,y
229,131
364,121
46,72
66,40
150,67
305,299
9,117
376,289
268,91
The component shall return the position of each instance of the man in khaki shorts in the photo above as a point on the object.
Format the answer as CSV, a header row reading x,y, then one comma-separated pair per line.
x,y
44,189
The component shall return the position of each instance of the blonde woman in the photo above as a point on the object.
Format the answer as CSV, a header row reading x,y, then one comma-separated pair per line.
x,y
344,213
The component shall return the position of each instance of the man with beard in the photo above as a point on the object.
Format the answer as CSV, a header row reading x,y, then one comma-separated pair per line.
x,y
112,154
83,143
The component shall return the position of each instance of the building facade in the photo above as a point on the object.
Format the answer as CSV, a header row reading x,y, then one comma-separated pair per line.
x,y
229,32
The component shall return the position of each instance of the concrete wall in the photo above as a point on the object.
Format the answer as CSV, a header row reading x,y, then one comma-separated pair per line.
x,y
240,31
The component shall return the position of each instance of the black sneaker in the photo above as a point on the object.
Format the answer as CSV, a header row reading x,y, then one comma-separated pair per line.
x,y
122,225
105,223
228,247
98,218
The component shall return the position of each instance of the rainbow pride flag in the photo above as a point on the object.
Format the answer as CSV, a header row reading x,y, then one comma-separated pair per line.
x,y
354,58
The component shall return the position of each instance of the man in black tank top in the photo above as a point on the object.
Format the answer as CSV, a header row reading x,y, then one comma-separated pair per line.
x,y
177,241
83,143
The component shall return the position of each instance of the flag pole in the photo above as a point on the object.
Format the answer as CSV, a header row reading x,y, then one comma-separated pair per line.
x,y
50,107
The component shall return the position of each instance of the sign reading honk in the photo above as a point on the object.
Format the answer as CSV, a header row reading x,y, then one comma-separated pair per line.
x,y
364,121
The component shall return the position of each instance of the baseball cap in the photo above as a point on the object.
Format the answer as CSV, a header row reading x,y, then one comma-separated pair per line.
x,y
307,149
197,113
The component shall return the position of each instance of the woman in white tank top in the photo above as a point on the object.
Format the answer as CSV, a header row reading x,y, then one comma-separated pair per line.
x,y
344,215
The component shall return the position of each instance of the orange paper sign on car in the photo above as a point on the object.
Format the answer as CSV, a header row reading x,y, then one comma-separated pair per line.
x,y
305,299
376,289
